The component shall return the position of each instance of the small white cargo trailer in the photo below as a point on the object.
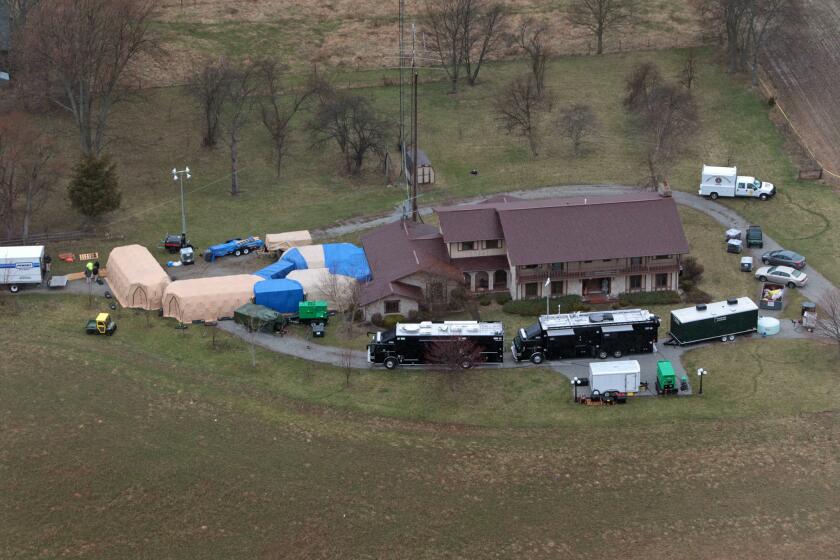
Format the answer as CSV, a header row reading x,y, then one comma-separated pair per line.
x,y
725,181
623,376
20,266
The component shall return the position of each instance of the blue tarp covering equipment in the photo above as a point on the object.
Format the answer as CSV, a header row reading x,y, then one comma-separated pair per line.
x,y
281,295
277,270
346,259
293,256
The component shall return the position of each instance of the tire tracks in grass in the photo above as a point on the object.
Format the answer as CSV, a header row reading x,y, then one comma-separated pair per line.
x,y
826,222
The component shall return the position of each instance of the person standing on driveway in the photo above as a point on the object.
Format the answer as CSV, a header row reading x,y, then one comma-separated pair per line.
x,y
88,272
95,271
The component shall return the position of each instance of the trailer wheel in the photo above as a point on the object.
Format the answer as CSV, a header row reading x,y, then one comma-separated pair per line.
x,y
713,196
537,358
237,252
762,279
14,288
723,338
466,363
602,354
617,354
391,363
245,251
791,285
762,196
731,337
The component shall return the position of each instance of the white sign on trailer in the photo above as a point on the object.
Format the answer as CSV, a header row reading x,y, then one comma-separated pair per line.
x,y
623,376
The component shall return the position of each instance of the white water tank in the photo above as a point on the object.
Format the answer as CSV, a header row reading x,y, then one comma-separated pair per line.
x,y
768,326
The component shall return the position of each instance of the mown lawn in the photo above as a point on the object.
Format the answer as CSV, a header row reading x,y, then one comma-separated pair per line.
x,y
153,444
460,133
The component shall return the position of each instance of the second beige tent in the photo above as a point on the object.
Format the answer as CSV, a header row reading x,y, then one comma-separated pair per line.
x,y
208,299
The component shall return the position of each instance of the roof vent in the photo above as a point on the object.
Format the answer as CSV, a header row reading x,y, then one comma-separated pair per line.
x,y
599,317
700,307
732,301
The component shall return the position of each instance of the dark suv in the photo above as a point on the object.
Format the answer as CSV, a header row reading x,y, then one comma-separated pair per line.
x,y
755,238
784,258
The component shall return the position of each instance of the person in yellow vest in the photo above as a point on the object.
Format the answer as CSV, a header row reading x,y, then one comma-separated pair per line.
x,y
88,271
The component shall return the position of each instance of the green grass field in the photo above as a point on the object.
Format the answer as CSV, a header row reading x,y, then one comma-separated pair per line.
x,y
153,444
460,133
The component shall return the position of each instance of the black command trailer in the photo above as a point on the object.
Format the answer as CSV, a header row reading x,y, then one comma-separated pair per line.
x,y
721,320
596,334
412,343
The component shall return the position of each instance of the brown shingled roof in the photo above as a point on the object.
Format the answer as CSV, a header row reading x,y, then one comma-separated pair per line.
x,y
571,229
400,249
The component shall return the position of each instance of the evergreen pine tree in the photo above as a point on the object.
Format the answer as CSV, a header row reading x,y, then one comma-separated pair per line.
x,y
94,191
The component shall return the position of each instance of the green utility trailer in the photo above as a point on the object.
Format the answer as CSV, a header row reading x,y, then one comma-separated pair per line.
x,y
666,379
721,320
313,311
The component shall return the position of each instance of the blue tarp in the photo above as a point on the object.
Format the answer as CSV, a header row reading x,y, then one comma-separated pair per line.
x,y
276,270
347,259
281,295
294,256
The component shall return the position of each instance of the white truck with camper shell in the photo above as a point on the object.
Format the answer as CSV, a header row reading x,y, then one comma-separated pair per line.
x,y
725,181
20,266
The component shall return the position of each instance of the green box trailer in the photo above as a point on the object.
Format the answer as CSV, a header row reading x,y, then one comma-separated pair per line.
x,y
722,320
309,311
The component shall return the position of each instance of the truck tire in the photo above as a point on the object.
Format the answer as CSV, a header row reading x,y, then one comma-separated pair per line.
x,y
466,363
617,354
391,362
762,279
713,196
791,285
245,251
602,354
723,338
14,288
537,358
237,252
731,337
762,196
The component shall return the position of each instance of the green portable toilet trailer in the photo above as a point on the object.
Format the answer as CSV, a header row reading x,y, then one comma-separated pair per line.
x,y
666,379
309,311
721,320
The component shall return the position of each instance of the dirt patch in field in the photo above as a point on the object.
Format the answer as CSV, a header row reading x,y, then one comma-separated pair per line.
x,y
801,63
363,34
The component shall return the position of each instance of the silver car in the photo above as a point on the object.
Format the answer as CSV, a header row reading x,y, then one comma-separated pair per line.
x,y
785,275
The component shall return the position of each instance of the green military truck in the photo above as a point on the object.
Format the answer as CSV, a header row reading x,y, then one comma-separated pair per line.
x,y
721,320
666,379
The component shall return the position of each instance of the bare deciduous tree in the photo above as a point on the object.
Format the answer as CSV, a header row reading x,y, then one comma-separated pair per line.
x,y
242,87
278,105
577,123
444,22
828,321
209,86
452,357
352,122
484,24
532,39
520,108
345,360
601,16
85,50
640,84
689,69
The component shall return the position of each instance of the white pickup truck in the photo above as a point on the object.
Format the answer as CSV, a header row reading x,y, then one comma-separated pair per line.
x,y
725,181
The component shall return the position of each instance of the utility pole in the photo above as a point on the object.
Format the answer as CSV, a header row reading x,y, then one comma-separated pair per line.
x,y
414,215
176,174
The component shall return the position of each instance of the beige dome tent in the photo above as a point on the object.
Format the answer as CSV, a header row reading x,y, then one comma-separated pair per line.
x,y
321,284
135,277
287,240
208,299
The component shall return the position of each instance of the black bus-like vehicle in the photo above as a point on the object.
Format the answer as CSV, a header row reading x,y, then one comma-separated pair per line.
x,y
588,335
420,343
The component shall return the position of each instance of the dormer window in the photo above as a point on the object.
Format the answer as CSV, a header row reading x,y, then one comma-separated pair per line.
x,y
492,244
467,245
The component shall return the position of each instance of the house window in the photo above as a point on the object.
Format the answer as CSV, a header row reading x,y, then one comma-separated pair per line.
x,y
491,244
557,267
532,289
607,260
661,281
530,266
662,257
392,306
557,288
587,262
635,261
635,283
467,245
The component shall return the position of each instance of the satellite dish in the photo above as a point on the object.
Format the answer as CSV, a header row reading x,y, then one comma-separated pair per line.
x,y
187,169
189,176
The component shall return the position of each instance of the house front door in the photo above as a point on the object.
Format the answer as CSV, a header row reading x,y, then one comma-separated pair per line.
x,y
596,286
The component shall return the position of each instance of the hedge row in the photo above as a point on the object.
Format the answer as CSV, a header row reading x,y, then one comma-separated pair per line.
x,y
649,298
531,307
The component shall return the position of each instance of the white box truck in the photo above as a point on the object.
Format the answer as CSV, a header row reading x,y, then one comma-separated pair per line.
x,y
725,181
623,376
20,266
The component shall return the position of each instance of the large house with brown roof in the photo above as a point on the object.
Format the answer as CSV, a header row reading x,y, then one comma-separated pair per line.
x,y
595,247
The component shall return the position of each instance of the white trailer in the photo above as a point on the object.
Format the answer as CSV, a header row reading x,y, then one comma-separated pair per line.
x,y
624,376
21,265
725,181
